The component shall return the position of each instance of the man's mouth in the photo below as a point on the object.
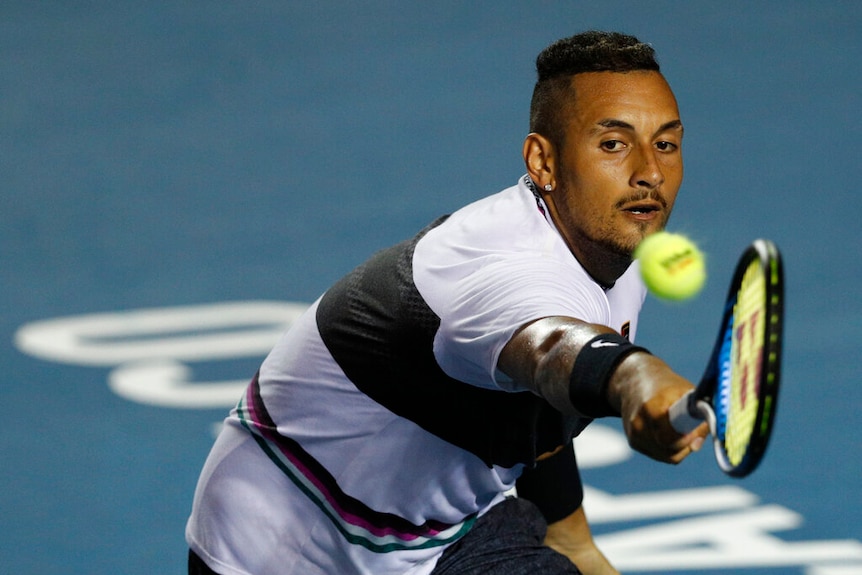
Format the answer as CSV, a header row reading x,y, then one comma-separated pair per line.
x,y
644,208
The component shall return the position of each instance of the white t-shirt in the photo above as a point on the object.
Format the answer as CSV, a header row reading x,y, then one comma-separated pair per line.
x,y
379,429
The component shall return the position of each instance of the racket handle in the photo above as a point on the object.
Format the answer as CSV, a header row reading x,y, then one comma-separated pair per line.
x,y
684,415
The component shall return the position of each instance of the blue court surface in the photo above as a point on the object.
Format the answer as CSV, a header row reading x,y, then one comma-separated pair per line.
x,y
180,178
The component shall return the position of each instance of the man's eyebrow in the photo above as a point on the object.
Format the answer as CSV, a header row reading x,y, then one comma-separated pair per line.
x,y
612,123
672,125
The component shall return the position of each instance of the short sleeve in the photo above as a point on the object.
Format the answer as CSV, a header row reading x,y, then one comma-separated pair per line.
x,y
487,307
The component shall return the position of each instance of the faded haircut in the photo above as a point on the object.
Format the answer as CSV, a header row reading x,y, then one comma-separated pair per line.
x,y
592,51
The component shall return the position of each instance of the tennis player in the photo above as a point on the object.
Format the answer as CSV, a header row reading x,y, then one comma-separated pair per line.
x,y
385,429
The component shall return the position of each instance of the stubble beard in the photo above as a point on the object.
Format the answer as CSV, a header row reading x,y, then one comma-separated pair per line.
x,y
607,249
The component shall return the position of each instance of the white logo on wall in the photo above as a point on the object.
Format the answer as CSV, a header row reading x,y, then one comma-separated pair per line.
x,y
150,353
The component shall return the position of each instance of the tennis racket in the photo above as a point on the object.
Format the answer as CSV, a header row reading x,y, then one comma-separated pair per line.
x,y
738,393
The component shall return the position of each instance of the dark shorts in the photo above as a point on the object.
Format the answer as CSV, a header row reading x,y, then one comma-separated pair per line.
x,y
508,540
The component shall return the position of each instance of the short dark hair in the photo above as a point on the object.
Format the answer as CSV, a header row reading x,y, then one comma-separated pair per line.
x,y
592,51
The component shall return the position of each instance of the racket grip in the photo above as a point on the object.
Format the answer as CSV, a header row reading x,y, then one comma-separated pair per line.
x,y
683,414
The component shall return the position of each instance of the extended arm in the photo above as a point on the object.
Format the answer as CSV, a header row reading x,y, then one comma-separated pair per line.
x,y
542,355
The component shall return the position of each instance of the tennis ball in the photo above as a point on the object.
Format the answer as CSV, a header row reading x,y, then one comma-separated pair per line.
x,y
672,266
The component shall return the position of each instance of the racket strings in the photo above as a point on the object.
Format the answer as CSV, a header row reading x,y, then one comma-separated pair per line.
x,y
746,353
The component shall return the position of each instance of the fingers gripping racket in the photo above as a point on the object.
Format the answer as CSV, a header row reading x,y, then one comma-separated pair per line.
x,y
738,392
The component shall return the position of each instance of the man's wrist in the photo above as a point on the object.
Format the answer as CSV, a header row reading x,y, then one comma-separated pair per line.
x,y
592,371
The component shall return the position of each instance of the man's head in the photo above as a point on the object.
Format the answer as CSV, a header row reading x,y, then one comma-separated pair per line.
x,y
605,146
588,52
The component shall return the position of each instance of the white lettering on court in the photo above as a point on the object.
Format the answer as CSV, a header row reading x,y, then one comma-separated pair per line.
x,y
729,530
148,348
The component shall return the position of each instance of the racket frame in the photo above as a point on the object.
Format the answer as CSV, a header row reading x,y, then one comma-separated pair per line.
x,y
696,407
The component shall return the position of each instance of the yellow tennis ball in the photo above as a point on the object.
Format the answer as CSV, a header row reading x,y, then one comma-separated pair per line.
x,y
672,266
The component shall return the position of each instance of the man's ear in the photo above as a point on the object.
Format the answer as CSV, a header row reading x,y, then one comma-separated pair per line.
x,y
540,160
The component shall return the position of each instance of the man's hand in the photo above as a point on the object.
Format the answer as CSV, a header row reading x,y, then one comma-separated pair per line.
x,y
643,388
571,536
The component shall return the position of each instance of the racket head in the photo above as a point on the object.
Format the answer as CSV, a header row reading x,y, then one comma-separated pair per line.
x,y
741,383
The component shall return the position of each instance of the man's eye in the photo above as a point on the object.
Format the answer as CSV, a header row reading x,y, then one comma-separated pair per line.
x,y
613,145
666,146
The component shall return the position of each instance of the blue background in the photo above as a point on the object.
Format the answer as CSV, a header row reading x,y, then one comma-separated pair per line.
x,y
178,153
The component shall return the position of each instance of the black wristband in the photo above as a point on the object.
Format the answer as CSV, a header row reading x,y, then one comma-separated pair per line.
x,y
594,366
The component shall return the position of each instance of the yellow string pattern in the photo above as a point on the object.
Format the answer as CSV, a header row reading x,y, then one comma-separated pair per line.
x,y
746,356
